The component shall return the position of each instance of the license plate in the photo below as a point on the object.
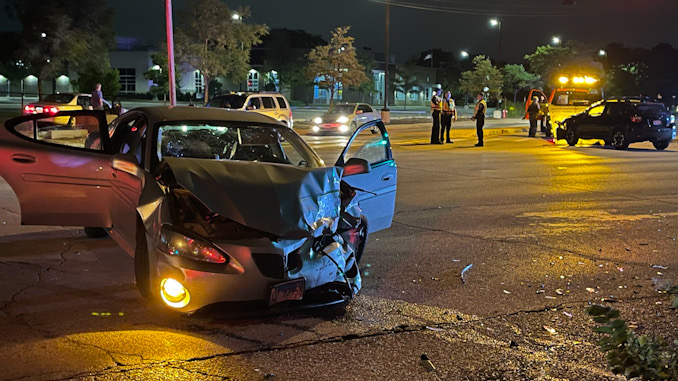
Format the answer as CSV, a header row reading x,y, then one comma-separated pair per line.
x,y
657,122
292,290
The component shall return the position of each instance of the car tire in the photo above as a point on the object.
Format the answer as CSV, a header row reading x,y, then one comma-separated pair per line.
x,y
620,139
661,145
95,232
571,136
142,266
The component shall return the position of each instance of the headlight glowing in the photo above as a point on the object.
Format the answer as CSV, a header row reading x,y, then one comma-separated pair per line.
x,y
173,293
174,243
342,119
318,120
563,80
343,128
315,128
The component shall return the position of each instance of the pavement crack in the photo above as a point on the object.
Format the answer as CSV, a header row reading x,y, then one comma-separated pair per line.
x,y
517,242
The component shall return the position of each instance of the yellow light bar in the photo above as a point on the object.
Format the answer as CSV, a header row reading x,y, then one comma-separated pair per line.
x,y
563,80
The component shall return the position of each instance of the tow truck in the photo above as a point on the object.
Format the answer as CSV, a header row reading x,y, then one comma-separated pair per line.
x,y
572,95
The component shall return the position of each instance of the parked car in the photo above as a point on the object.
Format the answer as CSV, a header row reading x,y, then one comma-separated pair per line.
x,y
344,118
53,103
214,205
620,122
271,104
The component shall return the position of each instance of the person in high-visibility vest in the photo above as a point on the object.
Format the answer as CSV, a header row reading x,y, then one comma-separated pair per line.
x,y
436,109
479,117
446,119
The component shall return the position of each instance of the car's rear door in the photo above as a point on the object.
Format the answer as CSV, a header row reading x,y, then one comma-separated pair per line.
x,y
376,189
56,177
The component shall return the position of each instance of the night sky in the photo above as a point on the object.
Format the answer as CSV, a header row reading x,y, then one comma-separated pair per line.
x,y
451,25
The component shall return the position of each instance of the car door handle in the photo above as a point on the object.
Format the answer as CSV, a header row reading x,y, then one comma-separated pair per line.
x,y
23,159
386,177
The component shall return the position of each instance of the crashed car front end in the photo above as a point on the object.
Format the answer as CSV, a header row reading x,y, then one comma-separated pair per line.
x,y
253,232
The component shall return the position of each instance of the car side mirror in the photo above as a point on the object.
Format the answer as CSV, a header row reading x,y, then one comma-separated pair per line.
x,y
356,166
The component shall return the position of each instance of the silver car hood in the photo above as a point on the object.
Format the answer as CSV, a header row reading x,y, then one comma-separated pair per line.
x,y
280,199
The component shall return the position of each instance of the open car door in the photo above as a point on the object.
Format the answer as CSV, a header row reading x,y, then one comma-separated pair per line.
x,y
59,166
377,188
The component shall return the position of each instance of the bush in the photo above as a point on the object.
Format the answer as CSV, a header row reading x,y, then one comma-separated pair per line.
x,y
633,356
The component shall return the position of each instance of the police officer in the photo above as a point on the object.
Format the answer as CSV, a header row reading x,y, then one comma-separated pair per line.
x,y
436,108
446,118
533,113
479,117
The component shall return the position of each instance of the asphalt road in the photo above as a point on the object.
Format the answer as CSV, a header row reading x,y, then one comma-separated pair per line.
x,y
547,228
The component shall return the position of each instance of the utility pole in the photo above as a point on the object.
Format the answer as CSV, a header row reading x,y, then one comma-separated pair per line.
x,y
170,53
385,113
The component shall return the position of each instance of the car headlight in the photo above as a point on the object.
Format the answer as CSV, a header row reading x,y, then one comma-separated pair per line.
x,y
315,128
673,119
342,119
173,293
343,128
173,243
318,120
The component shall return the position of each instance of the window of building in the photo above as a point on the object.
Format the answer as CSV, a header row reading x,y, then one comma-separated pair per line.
x,y
128,77
199,84
253,81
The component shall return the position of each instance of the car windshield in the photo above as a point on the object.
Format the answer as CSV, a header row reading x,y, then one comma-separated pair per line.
x,y
574,98
258,143
342,109
233,101
58,98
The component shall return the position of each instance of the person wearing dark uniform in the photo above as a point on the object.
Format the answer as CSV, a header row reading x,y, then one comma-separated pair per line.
x,y
479,117
446,118
436,108
532,113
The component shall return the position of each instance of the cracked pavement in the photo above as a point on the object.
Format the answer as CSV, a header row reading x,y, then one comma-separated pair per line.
x,y
548,230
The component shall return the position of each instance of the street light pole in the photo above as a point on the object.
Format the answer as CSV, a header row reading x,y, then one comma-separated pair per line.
x,y
385,115
170,53
497,23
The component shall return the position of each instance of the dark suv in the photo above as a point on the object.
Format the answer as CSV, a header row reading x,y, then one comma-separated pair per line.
x,y
620,122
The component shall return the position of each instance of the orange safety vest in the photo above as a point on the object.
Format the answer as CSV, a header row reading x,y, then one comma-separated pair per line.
x,y
436,103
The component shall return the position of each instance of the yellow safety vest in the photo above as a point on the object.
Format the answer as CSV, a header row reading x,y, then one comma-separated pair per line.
x,y
436,103
478,107
446,106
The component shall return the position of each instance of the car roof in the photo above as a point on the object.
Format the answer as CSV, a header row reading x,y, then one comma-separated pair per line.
x,y
176,113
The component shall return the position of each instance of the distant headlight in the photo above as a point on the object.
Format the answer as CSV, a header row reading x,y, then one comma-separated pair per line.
x,y
318,120
173,243
343,128
342,119
315,128
673,119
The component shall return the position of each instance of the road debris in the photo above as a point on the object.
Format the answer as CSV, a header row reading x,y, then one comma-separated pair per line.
x,y
567,314
463,280
591,290
559,291
659,267
550,297
549,329
507,292
426,363
434,329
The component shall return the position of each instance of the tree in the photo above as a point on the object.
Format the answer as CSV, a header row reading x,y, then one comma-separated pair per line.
x,y
484,75
335,65
91,74
550,62
58,34
214,43
517,78
285,51
405,81
158,74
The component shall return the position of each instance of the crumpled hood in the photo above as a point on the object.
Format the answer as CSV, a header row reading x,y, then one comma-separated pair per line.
x,y
279,199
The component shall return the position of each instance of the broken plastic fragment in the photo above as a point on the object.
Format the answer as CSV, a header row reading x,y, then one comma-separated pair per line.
x,y
550,297
559,291
549,330
507,292
426,363
463,280
591,290
567,314
434,329
659,267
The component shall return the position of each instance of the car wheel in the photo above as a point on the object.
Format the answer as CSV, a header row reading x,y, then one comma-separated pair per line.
x,y
571,136
142,266
661,145
95,232
620,139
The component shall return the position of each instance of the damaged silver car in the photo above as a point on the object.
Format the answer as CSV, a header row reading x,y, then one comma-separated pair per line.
x,y
216,206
